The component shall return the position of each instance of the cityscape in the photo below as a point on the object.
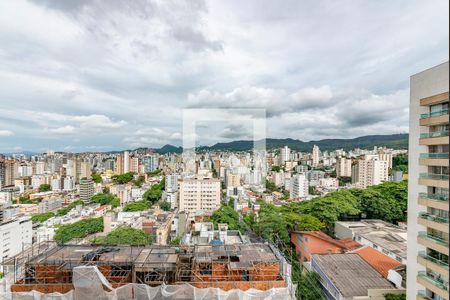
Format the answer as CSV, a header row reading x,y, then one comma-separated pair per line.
x,y
264,183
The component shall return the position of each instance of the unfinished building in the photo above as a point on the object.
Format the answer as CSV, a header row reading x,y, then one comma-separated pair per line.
x,y
225,268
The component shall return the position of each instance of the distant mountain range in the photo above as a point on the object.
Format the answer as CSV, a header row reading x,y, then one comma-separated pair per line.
x,y
396,141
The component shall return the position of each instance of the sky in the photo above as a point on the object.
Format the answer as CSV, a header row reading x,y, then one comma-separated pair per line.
x,y
79,75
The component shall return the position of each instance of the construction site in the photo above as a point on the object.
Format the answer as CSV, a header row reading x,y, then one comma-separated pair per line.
x,y
163,272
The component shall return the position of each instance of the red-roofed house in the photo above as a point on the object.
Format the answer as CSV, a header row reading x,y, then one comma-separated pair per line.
x,y
308,243
380,262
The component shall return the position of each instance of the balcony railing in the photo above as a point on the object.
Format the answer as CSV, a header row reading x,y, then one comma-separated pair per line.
x,y
437,197
433,134
434,114
434,218
436,282
442,263
434,155
423,295
433,176
433,238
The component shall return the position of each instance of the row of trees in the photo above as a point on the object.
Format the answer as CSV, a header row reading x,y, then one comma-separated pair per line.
x,y
150,197
80,229
387,201
125,236
106,199
123,178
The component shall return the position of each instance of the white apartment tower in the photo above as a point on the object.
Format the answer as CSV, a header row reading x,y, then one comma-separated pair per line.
x,y
299,186
428,230
343,167
199,194
285,154
370,171
315,156
126,162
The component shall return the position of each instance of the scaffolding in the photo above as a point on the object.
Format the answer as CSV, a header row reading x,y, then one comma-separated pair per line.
x,y
249,268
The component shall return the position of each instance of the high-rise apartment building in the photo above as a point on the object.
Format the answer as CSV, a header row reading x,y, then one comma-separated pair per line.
x,y
428,188
86,189
343,167
119,164
315,156
15,235
126,162
171,183
370,171
285,154
151,163
199,194
299,186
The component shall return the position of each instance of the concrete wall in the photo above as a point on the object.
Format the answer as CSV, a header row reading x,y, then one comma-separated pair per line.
x,y
427,83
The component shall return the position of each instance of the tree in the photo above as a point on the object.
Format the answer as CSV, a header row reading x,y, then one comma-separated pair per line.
x,y
63,211
276,169
226,214
343,180
136,206
44,188
154,193
395,296
176,241
154,173
126,236
42,217
106,199
270,186
304,222
165,206
138,182
79,229
97,178
123,178
271,224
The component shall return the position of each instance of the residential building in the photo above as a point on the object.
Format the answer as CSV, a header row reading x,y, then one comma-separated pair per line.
x,y
299,186
349,277
315,156
384,237
344,167
308,243
86,189
428,188
370,171
285,154
15,236
150,162
199,194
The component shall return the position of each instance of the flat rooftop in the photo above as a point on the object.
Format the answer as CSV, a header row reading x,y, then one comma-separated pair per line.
x,y
389,236
350,274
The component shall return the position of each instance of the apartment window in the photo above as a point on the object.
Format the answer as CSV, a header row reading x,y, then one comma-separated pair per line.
x,y
375,246
398,258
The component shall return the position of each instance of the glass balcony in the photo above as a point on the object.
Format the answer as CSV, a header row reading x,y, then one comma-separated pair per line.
x,y
442,263
427,216
423,295
434,155
433,238
440,283
434,114
433,176
437,197
433,134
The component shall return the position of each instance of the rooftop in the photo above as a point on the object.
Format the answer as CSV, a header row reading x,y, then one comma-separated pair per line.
x,y
389,236
350,274
380,262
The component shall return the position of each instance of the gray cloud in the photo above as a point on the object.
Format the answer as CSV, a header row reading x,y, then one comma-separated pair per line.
x,y
320,69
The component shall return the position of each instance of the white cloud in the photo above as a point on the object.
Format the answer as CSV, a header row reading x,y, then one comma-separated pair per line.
x,y
102,70
6,133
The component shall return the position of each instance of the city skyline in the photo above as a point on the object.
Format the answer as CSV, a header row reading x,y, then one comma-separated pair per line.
x,y
136,69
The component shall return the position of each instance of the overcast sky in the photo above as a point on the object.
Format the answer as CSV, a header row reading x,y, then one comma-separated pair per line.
x,y
80,75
